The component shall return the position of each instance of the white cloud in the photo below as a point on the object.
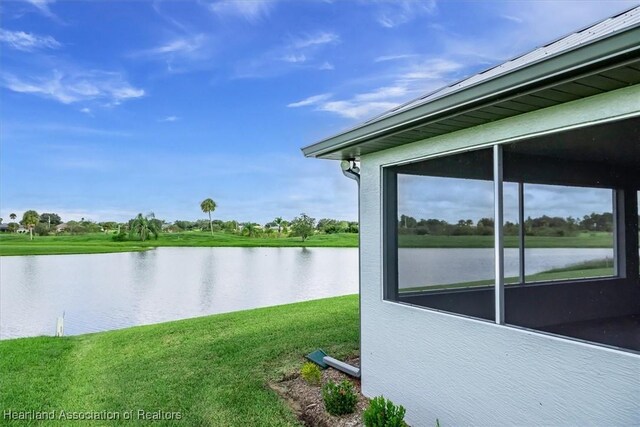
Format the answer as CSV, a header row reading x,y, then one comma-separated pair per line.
x,y
27,42
86,110
404,83
293,58
512,19
431,69
326,66
354,109
182,53
251,10
383,93
180,46
67,87
299,52
398,12
169,119
386,58
43,8
538,22
312,100
323,37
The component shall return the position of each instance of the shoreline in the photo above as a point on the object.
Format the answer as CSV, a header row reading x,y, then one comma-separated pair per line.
x,y
219,363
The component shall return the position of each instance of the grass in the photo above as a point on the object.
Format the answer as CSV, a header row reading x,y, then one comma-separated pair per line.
x,y
583,270
16,244
213,370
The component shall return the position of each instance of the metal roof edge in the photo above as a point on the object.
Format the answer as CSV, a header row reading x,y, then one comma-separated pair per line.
x,y
579,57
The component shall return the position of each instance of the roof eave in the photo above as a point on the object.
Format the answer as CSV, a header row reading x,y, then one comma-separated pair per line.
x,y
573,61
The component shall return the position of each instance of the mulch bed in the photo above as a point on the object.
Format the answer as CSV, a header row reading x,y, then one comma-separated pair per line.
x,y
306,400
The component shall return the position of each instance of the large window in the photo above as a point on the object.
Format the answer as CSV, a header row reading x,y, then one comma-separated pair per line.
x,y
441,220
445,233
568,232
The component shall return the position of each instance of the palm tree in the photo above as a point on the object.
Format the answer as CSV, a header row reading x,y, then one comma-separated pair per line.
x,y
279,222
13,216
208,206
143,226
29,220
249,228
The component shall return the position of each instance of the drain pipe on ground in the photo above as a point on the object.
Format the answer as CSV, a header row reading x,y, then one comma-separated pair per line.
x,y
351,170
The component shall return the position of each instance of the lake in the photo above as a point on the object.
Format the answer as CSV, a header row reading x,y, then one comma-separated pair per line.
x,y
111,291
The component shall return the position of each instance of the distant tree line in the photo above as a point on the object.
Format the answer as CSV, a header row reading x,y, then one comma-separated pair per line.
x,y
278,227
144,227
540,226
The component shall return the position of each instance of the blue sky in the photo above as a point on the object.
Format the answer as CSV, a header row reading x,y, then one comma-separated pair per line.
x,y
113,108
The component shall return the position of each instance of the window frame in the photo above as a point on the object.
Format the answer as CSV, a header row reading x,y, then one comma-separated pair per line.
x,y
389,234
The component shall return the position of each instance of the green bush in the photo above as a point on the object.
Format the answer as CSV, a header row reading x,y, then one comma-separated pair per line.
x,y
120,237
310,372
339,399
41,229
383,413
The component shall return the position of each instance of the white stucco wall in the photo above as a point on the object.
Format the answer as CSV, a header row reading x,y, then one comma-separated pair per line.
x,y
471,372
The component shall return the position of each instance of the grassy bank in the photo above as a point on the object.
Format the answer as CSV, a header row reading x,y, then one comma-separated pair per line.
x,y
581,270
14,244
213,370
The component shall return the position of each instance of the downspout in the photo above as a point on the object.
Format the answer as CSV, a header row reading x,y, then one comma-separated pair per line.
x,y
351,170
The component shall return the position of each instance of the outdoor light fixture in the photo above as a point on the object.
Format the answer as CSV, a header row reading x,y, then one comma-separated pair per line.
x,y
350,169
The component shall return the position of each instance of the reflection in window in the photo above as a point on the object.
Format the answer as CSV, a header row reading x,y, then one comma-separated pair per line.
x,y
441,237
511,230
568,232
445,233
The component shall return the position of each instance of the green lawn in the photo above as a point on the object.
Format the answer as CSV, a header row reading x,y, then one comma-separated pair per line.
x,y
213,370
19,244
581,270
14,244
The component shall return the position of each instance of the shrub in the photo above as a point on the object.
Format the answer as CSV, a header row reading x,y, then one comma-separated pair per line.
x,y
120,237
383,413
41,229
310,372
339,399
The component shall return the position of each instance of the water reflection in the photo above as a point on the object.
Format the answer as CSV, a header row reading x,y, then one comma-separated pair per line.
x,y
110,291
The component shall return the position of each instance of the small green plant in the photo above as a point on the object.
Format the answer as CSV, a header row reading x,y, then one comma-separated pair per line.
x,y
310,372
383,413
339,399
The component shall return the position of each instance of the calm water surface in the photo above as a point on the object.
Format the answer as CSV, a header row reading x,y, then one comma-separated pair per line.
x,y
111,291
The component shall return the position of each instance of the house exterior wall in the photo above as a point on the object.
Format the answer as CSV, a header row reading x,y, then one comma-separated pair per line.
x,y
464,371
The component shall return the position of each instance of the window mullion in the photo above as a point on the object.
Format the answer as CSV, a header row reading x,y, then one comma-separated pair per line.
x,y
521,231
498,202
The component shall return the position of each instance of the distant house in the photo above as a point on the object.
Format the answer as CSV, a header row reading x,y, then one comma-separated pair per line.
x,y
484,350
22,230
4,228
62,227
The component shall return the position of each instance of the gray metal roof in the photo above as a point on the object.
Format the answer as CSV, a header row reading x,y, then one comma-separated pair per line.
x,y
596,59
